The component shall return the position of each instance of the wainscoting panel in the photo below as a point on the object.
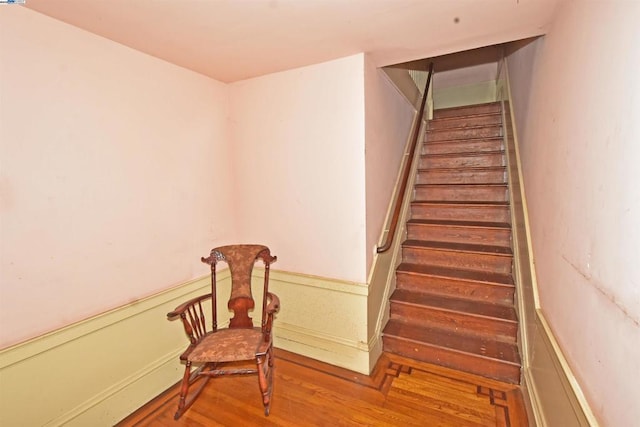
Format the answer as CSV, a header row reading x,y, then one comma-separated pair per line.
x,y
324,319
95,372
98,371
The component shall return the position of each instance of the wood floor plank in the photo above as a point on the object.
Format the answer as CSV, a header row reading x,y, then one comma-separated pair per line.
x,y
400,392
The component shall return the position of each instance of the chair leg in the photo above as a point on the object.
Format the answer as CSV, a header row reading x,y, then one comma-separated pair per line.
x,y
265,378
184,389
187,380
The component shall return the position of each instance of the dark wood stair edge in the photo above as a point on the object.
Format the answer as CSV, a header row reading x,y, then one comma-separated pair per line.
x,y
459,247
447,303
466,116
462,333
464,154
460,223
456,128
460,351
494,369
403,268
461,169
481,184
468,107
474,203
463,140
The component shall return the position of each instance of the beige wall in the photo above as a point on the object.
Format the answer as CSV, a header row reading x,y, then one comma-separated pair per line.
x,y
577,98
114,174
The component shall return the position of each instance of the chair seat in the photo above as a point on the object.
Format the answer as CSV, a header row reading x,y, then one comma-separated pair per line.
x,y
228,345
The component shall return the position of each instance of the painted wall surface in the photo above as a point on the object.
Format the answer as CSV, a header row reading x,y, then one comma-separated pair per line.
x,y
299,144
456,96
388,119
580,152
474,84
112,172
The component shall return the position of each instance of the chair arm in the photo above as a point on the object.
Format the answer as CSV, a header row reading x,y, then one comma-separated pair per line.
x,y
274,303
180,310
191,313
267,321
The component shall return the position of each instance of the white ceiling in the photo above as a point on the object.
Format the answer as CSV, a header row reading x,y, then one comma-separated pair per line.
x,y
232,40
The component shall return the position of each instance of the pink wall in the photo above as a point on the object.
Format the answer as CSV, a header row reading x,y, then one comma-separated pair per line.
x,y
299,144
388,118
578,108
120,170
113,173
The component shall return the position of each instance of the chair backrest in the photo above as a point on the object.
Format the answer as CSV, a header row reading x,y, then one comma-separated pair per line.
x,y
240,259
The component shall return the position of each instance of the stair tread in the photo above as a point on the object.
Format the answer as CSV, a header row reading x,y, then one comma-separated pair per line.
x,y
458,223
465,168
480,126
469,344
463,140
463,107
462,202
488,184
465,154
469,107
457,273
465,116
459,247
476,308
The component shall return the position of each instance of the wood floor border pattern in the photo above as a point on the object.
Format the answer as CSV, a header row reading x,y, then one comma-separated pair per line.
x,y
498,399
425,387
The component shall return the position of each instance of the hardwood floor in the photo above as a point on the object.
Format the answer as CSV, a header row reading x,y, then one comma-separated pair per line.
x,y
400,392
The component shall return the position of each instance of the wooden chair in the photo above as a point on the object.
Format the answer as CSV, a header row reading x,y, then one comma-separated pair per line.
x,y
235,349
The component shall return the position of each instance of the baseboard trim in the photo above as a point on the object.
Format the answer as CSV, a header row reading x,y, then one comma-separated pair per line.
x,y
337,351
567,393
336,331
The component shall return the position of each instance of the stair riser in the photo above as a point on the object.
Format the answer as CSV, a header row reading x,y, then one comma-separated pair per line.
x,y
449,233
462,146
456,322
460,193
460,122
465,111
474,364
460,161
464,133
462,213
461,176
465,260
442,286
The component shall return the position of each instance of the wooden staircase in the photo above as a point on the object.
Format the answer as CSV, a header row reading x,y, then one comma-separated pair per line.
x,y
454,299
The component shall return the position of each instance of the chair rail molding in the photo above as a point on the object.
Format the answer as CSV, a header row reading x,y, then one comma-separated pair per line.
x,y
137,350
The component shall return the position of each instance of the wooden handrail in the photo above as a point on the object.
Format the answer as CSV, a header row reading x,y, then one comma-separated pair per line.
x,y
405,176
